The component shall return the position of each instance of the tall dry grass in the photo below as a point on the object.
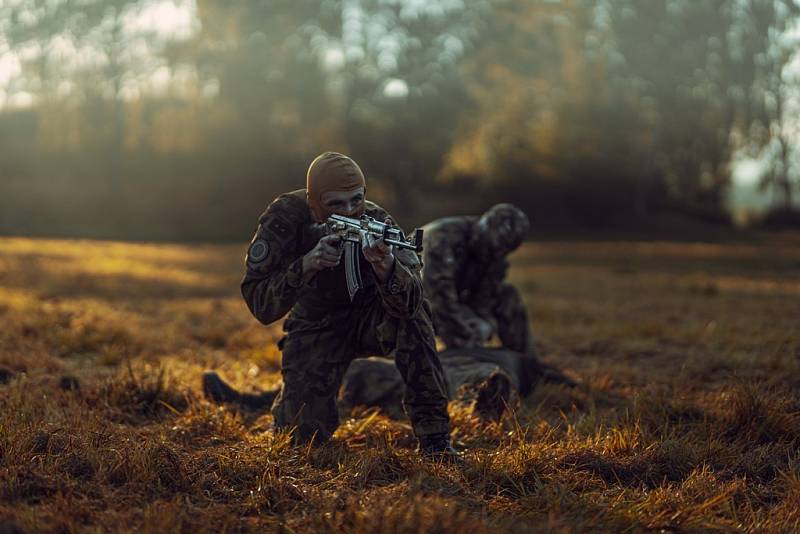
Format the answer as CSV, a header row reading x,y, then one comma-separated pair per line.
x,y
687,418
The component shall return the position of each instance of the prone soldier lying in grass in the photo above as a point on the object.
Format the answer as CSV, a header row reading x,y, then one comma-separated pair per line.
x,y
488,380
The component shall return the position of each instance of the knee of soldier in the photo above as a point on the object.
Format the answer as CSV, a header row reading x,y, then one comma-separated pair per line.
x,y
309,388
425,318
418,329
314,434
309,419
305,432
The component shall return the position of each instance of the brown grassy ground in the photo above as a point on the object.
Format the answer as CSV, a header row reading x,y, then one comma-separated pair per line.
x,y
688,417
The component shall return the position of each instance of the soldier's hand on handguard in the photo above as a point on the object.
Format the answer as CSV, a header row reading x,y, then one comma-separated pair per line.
x,y
324,255
379,254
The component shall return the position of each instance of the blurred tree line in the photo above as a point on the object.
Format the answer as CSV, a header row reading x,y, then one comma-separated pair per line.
x,y
586,113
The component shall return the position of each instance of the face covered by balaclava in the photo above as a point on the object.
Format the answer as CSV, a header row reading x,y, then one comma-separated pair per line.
x,y
332,171
502,229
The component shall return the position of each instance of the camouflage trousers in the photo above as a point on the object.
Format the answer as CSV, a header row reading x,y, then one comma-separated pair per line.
x,y
508,313
488,380
317,351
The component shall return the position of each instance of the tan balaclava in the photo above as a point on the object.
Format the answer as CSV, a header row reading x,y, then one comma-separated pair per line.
x,y
331,171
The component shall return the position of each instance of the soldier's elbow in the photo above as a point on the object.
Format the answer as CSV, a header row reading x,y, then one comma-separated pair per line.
x,y
264,318
267,313
409,311
263,313
405,310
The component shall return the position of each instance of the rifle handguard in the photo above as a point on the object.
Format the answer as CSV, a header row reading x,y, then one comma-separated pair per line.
x,y
392,235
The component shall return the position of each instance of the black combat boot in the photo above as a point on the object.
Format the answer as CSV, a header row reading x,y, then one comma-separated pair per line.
x,y
439,447
216,390
494,396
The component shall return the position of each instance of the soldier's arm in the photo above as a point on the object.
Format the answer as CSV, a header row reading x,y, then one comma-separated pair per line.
x,y
274,270
399,286
439,282
402,292
485,295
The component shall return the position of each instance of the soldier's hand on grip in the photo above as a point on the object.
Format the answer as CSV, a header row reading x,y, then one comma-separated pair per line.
x,y
324,255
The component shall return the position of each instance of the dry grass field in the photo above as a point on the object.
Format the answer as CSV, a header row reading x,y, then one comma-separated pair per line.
x,y
687,417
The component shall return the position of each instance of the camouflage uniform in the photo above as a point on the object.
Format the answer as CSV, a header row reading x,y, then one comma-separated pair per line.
x,y
488,379
325,331
464,282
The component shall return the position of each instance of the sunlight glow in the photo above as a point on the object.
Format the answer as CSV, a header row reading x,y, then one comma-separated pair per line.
x,y
172,19
747,173
9,68
167,19
395,88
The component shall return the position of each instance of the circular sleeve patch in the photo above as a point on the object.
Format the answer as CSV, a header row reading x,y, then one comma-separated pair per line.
x,y
258,251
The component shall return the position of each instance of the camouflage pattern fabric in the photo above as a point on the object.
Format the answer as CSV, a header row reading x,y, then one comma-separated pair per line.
x,y
464,281
487,379
325,331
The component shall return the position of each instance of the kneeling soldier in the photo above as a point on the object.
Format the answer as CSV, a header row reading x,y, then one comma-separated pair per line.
x,y
464,278
292,269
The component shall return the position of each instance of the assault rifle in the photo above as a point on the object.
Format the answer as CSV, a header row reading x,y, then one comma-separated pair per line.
x,y
355,229
352,231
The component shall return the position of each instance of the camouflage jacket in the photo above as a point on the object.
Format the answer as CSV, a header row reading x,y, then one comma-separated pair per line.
x,y
460,281
273,283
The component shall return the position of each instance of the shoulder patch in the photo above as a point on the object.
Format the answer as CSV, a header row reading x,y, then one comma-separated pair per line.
x,y
258,251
